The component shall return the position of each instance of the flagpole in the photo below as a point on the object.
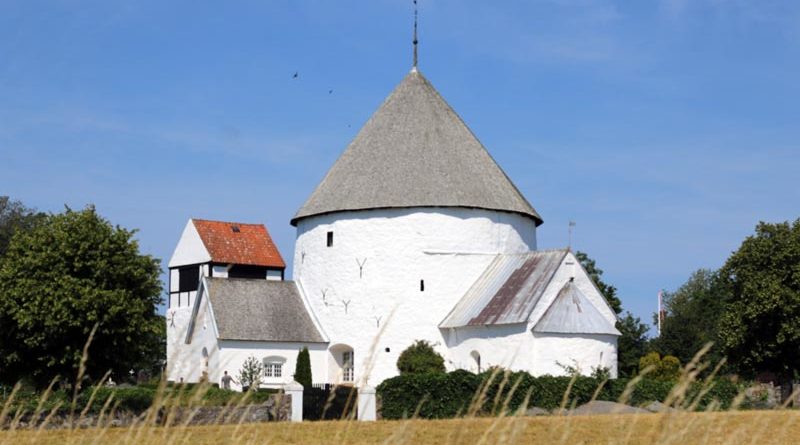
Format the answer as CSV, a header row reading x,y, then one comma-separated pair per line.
x,y
659,311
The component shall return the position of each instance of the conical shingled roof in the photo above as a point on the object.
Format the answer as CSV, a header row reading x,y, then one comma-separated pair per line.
x,y
415,151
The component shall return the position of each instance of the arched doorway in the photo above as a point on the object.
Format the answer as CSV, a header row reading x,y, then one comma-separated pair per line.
x,y
477,357
342,360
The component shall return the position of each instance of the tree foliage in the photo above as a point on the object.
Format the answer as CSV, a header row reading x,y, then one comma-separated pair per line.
x,y
760,327
57,280
691,317
667,368
251,374
302,369
14,216
420,358
596,274
631,345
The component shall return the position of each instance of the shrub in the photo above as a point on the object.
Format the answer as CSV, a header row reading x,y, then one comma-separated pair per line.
x,y
667,368
134,399
420,358
436,395
251,373
451,395
302,369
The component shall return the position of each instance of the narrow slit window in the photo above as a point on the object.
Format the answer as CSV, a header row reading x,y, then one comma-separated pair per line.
x,y
330,239
422,285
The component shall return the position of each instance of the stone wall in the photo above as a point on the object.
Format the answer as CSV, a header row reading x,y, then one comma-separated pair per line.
x,y
277,408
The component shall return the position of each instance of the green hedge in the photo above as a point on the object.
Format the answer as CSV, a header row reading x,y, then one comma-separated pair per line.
x,y
453,394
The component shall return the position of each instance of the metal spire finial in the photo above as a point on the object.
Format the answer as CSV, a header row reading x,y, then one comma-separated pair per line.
x,y
415,34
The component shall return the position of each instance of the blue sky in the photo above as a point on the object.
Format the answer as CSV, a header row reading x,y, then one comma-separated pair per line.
x,y
665,129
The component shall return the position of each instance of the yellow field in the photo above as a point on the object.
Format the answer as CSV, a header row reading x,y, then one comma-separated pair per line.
x,y
746,427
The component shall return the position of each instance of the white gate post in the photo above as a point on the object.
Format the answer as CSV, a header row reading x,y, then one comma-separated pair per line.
x,y
366,403
295,391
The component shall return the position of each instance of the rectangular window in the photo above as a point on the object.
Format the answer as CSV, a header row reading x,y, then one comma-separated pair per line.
x,y
273,370
330,239
188,278
347,366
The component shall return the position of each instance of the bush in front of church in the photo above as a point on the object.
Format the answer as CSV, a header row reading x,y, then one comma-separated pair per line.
x,y
302,370
420,358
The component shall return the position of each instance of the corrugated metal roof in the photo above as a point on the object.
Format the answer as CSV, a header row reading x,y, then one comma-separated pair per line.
x,y
507,291
573,313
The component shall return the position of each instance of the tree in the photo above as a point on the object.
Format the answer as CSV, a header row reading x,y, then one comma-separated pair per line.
x,y
632,344
667,368
760,325
15,216
420,358
58,280
251,373
302,369
691,317
595,273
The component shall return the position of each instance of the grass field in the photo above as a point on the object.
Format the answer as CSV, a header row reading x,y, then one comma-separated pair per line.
x,y
744,427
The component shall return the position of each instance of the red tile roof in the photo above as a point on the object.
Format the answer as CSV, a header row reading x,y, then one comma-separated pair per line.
x,y
238,243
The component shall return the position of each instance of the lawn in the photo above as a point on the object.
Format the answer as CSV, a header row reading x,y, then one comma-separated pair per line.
x,y
744,427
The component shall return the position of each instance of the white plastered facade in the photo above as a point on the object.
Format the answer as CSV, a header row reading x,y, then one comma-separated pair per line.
x,y
365,289
203,352
517,347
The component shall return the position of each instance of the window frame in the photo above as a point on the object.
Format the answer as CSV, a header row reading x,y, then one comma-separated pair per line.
x,y
273,367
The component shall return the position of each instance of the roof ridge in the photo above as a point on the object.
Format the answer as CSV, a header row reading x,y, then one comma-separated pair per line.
x,y
228,222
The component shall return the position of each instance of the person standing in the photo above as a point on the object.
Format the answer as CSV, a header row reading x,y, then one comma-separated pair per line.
x,y
226,381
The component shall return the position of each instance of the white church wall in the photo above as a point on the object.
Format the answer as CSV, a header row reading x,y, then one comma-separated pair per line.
x,y
371,274
586,351
507,346
173,280
188,361
233,354
190,248
274,275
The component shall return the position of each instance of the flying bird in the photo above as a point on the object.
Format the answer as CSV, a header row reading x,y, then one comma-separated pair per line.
x,y
295,75
330,91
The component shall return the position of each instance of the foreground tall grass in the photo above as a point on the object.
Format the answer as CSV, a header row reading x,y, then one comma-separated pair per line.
x,y
168,421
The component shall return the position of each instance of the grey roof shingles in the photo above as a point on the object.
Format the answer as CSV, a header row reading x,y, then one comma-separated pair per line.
x,y
415,151
260,310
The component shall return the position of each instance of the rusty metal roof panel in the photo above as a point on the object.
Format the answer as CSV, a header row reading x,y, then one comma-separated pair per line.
x,y
507,291
572,313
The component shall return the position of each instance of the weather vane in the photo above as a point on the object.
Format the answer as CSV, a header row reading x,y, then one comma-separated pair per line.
x,y
570,226
415,41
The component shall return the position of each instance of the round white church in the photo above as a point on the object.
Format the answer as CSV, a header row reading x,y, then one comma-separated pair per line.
x,y
415,233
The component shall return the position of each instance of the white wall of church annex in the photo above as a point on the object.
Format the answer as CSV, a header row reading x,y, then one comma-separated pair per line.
x,y
190,361
190,248
233,353
584,351
371,277
516,347
508,346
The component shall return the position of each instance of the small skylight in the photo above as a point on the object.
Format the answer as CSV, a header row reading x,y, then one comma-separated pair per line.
x,y
235,228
